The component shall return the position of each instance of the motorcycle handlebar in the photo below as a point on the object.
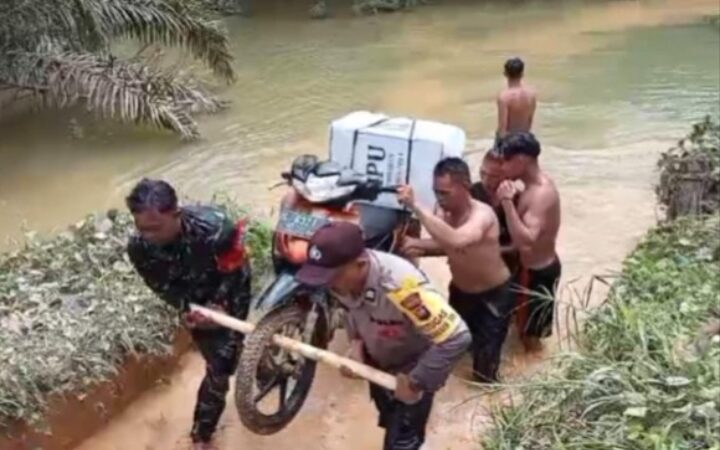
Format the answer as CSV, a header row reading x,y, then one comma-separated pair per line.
x,y
390,189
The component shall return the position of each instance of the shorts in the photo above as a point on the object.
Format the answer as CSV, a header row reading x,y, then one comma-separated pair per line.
x,y
487,315
536,299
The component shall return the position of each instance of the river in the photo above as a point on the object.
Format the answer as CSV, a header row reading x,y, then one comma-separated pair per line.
x,y
619,81
609,74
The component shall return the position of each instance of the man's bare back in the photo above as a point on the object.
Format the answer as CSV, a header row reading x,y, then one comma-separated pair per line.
x,y
515,103
477,267
516,109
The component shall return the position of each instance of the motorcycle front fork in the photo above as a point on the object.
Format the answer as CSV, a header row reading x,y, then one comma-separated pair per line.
x,y
322,305
310,323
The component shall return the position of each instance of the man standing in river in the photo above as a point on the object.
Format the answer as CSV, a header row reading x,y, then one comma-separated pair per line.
x,y
468,231
516,103
533,221
194,254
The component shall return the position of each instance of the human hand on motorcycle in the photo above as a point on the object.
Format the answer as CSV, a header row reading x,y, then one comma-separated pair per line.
x,y
355,352
406,196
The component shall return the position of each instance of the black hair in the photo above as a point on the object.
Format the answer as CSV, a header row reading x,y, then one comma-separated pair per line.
x,y
455,167
519,143
151,194
492,155
514,68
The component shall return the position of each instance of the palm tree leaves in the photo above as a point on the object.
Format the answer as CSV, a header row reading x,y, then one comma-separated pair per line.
x,y
59,50
160,22
131,92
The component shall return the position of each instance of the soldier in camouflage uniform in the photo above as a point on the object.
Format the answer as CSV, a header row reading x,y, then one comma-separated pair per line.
x,y
194,255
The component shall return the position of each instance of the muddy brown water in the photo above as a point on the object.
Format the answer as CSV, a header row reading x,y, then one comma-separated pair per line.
x,y
618,82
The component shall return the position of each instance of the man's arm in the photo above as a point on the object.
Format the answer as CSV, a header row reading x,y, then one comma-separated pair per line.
x,y
434,367
426,247
432,248
502,110
442,326
526,230
448,237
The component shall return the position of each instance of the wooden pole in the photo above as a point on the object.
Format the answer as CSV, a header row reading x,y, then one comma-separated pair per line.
x,y
370,374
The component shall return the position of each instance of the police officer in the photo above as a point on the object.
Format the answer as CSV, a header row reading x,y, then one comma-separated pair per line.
x,y
395,321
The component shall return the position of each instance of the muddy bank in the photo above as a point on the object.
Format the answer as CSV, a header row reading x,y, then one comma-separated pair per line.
x,y
72,418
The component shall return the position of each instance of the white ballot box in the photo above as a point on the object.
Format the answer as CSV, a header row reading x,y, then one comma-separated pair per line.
x,y
395,150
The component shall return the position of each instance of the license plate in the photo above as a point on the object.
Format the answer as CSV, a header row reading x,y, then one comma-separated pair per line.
x,y
299,224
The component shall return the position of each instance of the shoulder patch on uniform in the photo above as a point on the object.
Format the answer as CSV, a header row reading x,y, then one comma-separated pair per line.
x,y
429,311
414,304
235,256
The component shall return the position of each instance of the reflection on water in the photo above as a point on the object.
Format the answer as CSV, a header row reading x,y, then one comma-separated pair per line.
x,y
609,74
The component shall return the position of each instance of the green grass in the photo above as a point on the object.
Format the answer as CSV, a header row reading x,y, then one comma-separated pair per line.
x,y
644,376
72,308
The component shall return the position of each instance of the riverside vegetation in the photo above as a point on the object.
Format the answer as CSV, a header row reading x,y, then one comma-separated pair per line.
x,y
72,309
646,372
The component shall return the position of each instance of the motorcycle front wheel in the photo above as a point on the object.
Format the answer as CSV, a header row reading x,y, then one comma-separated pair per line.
x,y
272,383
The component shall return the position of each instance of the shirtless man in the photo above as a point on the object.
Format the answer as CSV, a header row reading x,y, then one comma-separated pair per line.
x,y
533,221
467,231
491,175
515,103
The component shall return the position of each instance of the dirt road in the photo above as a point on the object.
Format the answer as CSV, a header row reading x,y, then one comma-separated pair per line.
x,y
607,206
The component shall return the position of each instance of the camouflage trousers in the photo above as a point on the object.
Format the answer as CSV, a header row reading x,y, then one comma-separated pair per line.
x,y
220,349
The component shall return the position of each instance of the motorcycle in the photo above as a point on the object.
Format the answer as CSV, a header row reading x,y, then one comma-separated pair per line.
x,y
319,192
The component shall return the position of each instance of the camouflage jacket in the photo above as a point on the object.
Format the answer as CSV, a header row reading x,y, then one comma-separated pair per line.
x,y
207,264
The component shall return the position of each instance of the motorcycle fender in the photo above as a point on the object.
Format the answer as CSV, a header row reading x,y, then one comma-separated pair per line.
x,y
280,292
273,296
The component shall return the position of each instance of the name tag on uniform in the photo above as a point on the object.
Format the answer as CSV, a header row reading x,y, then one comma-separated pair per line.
x,y
370,296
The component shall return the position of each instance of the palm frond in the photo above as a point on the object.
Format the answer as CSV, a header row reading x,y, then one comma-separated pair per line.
x,y
91,24
130,91
23,23
170,24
